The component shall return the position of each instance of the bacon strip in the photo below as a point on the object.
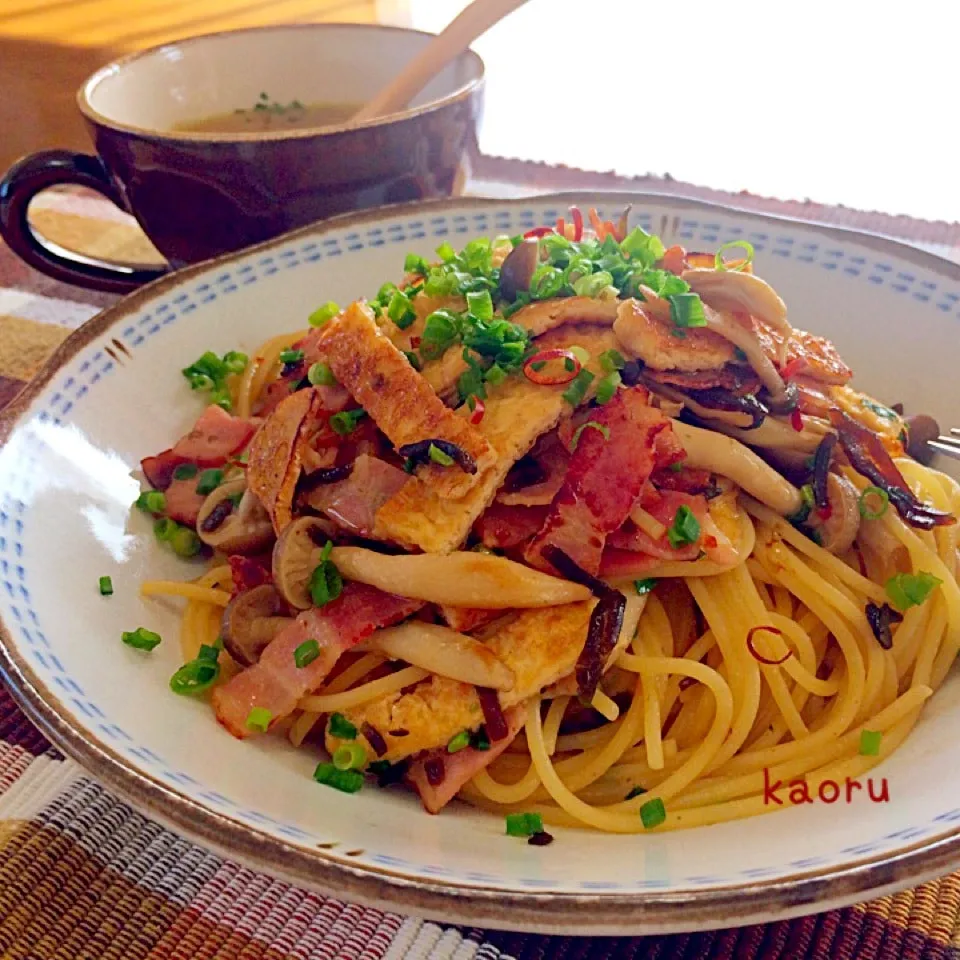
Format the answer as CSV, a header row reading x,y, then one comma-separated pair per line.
x,y
501,527
605,477
353,503
183,503
460,767
276,683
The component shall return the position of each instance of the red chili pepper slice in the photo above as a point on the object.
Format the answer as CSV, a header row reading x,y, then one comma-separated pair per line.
x,y
479,409
758,656
543,376
538,232
577,223
415,342
796,421
792,367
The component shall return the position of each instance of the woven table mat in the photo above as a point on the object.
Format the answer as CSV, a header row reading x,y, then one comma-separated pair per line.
x,y
82,875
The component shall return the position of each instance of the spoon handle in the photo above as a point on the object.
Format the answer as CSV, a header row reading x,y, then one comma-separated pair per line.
x,y
473,21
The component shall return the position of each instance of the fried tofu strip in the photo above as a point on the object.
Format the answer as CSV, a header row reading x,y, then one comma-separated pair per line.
x,y
517,413
539,646
400,401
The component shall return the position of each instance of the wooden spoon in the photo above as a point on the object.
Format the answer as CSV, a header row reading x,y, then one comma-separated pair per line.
x,y
475,20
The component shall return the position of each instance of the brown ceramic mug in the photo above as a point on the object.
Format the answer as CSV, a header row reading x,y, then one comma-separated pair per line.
x,y
200,194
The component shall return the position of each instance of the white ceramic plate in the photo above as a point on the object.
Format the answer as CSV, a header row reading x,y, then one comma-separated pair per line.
x,y
114,393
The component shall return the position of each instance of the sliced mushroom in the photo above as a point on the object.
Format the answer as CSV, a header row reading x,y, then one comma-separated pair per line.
x,y
840,528
736,290
518,268
295,556
250,621
233,521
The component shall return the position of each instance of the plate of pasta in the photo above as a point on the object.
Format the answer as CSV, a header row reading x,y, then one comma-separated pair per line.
x,y
535,564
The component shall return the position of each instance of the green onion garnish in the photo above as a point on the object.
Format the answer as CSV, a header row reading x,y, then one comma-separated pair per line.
x,y
400,310
415,264
911,589
635,792
871,495
440,331
685,528
197,675
524,824
290,357
718,262
686,310
106,587
322,314
209,372
676,467
480,740
438,456
186,471
480,305
164,528
151,501
495,375
575,393
460,742
185,543
306,653
349,756
445,252
653,813
413,360
346,781
642,247
141,639
320,375
806,504
593,284
209,480
612,360
589,425
235,362
346,421
645,585
341,728
607,387
326,584
258,719
870,743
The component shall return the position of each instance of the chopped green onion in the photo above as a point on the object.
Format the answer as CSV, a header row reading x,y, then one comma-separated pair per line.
x,y
151,501
258,719
321,315
676,467
306,653
495,375
186,543
806,504
346,781
581,353
747,258
644,586
438,456
341,728
589,425
870,743
480,305
635,792
186,471
440,330
611,361
164,528
413,360
209,651
653,813
663,283
546,282
460,742
480,740
326,584
446,253
877,511
198,675
911,589
235,362
685,528
349,756
645,248
592,284
106,587
400,310
141,638
209,480
346,421
413,263
523,824
686,310
575,393
607,388
320,375
289,357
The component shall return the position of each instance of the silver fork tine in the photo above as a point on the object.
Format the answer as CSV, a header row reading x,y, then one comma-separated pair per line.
x,y
949,446
955,431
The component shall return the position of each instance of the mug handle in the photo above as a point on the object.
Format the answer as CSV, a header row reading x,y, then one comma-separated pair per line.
x,y
35,173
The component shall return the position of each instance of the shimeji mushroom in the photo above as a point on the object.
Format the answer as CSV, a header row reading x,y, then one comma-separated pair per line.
x,y
295,556
250,621
839,529
233,521
518,268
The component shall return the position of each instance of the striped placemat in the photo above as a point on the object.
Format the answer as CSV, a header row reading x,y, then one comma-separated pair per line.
x,y
82,875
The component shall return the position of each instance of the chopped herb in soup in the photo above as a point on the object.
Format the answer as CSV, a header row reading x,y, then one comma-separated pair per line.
x,y
270,114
